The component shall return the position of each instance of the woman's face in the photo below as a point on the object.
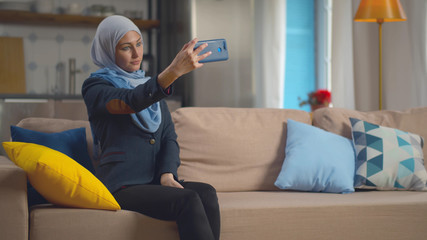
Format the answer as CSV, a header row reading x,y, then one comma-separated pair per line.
x,y
129,51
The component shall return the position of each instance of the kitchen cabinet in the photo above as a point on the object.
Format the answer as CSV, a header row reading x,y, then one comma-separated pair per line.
x,y
31,18
65,20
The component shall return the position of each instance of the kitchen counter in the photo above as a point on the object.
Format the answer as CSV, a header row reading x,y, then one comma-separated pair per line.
x,y
15,107
40,96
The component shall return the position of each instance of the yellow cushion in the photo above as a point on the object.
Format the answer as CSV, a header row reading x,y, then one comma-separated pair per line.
x,y
60,179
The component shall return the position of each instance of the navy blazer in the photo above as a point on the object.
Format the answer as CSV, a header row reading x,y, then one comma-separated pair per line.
x,y
126,154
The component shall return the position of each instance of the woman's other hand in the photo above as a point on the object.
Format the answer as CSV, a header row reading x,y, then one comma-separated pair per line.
x,y
185,61
167,180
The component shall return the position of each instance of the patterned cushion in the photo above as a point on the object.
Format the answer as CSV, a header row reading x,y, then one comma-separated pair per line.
x,y
387,158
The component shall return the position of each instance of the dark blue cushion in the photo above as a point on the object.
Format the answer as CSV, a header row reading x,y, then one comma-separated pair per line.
x,y
70,142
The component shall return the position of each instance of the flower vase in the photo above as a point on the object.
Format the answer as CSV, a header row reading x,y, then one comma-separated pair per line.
x,y
317,106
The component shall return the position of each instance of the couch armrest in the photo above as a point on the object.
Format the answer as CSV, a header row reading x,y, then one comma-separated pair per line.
x,y
13,201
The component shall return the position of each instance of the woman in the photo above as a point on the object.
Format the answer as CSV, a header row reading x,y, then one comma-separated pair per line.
x,y
135,141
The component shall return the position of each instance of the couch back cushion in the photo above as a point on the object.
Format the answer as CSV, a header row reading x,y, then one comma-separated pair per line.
x,y
54,125
337,120
233,149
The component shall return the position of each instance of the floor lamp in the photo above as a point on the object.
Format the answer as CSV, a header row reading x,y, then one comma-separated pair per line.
x,y
380,11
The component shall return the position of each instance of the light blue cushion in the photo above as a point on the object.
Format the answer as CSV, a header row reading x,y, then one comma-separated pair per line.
x,y
316,161
387,158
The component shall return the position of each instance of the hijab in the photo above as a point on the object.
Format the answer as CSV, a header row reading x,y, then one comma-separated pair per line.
x,y
108,34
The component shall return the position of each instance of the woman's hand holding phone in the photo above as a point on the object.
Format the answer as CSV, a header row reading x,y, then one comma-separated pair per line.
x,y
185,61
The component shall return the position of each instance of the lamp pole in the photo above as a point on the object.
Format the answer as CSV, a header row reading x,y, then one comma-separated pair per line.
x,y
380,22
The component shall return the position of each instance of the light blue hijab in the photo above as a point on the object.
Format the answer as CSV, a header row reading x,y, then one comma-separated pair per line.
x,y
108,34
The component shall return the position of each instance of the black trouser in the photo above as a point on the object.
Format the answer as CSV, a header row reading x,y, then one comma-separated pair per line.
x,y
194,208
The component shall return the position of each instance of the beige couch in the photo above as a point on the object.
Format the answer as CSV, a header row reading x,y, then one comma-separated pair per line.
x,y
240,152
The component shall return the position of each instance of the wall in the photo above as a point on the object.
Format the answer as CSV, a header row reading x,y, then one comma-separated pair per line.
x,y
48,49
229,83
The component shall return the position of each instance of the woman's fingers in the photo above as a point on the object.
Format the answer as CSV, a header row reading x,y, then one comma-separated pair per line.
x,y
196,51
166,179
177,184
190,45
200,48
203,56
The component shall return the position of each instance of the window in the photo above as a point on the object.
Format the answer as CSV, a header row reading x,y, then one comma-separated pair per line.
x,y
307,64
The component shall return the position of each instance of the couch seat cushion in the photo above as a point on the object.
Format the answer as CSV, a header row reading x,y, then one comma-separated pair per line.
x,y
306,216
52,223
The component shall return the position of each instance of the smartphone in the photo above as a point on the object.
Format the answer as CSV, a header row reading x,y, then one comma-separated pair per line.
x,y
218,47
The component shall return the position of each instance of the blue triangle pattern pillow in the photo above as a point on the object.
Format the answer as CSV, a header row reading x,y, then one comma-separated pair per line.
x,y
387,158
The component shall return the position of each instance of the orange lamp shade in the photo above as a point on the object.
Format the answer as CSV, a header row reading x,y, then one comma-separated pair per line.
x,y
380,10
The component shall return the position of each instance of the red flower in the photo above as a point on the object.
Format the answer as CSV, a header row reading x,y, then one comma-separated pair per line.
x,y
319,97
322,97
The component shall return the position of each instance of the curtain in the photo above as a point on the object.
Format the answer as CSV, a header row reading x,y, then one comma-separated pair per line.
x,y
269,52
342,75
416,13
404,59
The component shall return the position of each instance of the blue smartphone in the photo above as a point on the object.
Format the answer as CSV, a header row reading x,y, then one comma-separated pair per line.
x,y
218,48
